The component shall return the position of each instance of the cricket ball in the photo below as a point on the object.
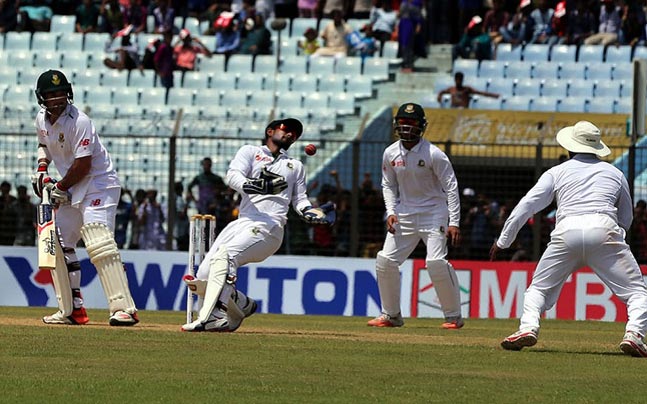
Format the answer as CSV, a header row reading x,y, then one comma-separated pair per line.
x,y
310,149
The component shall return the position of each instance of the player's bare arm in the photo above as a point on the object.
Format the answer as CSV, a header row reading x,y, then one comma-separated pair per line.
x,y
79,170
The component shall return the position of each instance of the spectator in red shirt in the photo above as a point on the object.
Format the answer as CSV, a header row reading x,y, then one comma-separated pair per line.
x,y
186,51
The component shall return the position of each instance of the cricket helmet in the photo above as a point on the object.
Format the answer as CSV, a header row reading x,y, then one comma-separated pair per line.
x,y
53,81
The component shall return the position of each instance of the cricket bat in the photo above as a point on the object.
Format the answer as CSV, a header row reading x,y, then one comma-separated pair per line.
x,y
46,233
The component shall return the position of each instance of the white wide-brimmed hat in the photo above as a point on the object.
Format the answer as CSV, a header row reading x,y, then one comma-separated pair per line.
x,y
583,137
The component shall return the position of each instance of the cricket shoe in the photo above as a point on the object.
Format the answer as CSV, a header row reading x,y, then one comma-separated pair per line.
x,y
632,344
79,317
453,323
519,340
122,318
213,324
386,320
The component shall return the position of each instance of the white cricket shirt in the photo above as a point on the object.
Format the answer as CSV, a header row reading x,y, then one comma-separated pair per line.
x,y
73,136
582,185
248,164
420,180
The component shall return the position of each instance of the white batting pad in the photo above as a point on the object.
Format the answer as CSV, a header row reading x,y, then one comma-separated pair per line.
x,y
443,276
104,254
388,281
218,270
61,280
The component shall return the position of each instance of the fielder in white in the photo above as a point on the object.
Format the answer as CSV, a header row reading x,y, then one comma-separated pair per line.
x,y
422,203
87,198
268,181
594,210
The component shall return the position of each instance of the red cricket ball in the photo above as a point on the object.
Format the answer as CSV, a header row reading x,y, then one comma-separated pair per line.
x,y
310,149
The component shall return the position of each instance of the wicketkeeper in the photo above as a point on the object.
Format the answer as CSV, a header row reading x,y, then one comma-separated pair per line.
x,y
268,181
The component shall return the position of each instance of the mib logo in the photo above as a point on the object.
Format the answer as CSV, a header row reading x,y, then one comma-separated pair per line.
x,y
49,244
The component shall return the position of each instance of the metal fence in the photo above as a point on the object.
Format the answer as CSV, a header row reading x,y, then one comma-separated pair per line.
x,y
492,178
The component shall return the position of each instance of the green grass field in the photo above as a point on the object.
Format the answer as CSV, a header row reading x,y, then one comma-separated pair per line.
x,y
309,359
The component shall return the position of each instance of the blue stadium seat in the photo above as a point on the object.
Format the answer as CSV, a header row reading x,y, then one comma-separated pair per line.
x,y
624,105
618,54
342,103
44,41
640,52
485,103
591,54
125,96
239,63
360,87
17,41
114,78
544,104
332,84
292,64
265,64
553,88
195,80
143,79
250,82
224,81
232,99
65,24
572,104
88,78
518,70
316,102
70,42
321,66
95,42
180,97
279,82
507,52
602,105
348,67
152,98
47,60
209,99
214,64
572,70
492,68
626,88
300,24
516,103
469,67
501,86
536,53
545,71
623,71
376,68
289,100
599,71
606,89
563,53
261,100
74,62
306,84
528,87
580,88
95,95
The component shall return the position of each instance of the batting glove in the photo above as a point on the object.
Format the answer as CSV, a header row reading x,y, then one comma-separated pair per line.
x,y
37,179
56,193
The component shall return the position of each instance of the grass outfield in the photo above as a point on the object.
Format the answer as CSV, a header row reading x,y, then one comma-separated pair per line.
x,y
309,359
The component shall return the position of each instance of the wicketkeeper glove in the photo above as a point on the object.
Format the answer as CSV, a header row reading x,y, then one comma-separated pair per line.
x,y
268,183
325,214
56,193
37,179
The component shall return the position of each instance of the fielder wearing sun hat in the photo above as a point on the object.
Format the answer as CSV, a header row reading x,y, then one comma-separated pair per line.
x,y
583,137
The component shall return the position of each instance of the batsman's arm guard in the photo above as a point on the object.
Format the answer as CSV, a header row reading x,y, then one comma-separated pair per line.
x,y
325,214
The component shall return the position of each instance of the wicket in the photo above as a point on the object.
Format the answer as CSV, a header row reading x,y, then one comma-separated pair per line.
x,y
202,234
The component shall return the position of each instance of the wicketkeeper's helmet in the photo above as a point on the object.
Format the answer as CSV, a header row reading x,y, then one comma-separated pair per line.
x,y
409,122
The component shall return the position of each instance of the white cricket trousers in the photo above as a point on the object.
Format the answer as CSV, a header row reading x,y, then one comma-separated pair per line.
x,y
593,240
247,241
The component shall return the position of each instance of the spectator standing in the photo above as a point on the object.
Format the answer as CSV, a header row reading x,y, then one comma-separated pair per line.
x,y
421,199
187,50
123,217
609,27
383,22
135,227
211,188
164,62
632,27
594,210
87,17
151,219
559,25
409,27
25,219
334,36
8,212
460,94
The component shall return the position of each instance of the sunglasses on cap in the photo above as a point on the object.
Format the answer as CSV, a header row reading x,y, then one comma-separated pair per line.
x,y
285,128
